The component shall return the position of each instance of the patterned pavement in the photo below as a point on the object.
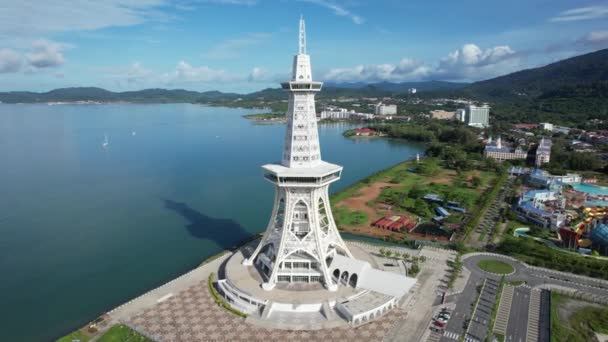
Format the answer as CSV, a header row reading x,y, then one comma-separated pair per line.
x,y
192,315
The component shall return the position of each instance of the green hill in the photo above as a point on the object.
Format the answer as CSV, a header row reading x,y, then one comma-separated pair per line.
x,y
102,95
582,70
570,92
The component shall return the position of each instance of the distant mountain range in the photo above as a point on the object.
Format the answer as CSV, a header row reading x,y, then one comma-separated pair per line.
x,y
573,76
403,86
568,91
181,95
102,95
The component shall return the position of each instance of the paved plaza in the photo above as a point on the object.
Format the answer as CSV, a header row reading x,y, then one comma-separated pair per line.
x,y
192,315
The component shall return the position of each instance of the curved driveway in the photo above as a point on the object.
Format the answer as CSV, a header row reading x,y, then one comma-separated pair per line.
x,y
539,277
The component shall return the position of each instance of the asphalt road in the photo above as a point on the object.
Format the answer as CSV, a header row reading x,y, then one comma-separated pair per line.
x,y
535,277
464,307
480,323
544,334
518,318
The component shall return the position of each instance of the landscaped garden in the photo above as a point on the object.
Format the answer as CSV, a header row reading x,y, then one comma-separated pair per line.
x,y
495,266
401,191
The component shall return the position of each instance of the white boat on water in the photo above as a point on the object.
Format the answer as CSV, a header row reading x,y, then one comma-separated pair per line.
x,y
105,141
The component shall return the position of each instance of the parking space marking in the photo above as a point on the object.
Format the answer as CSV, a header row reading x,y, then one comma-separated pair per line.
x,y
504,310
533,316
451,335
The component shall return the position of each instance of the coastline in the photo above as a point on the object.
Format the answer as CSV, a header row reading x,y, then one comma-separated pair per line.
x,y
162,291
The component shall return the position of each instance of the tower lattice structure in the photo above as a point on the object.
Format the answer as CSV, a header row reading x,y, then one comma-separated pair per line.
x,y
301,237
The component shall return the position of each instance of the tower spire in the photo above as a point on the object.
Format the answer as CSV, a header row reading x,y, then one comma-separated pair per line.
x,y
302,231
302,40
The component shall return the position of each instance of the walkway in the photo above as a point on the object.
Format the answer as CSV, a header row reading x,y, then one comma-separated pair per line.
x,y
504,309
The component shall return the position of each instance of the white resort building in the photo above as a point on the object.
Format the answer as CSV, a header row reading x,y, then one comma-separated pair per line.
x,y
497,150
301,268
475,116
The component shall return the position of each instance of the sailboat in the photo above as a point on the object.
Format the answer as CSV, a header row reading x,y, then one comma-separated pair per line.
x,y
105,141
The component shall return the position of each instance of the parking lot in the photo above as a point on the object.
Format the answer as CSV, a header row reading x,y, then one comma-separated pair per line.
x,y
489,222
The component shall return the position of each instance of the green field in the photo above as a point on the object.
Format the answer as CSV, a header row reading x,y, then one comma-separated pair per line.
x,y
117,333
76,335
122,333
347,217
582,321
495,266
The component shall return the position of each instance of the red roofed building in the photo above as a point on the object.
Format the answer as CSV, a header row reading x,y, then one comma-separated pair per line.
x,y
365,131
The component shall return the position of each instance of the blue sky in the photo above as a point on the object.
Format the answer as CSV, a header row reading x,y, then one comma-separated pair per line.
x,y
246,45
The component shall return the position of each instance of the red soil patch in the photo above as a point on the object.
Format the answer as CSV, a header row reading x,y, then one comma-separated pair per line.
x,y
359,202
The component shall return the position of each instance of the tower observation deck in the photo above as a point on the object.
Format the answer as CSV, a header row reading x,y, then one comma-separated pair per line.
x,y
301,238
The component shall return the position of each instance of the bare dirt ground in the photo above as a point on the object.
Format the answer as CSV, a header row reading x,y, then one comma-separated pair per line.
x,y
445,177
364,195
359,202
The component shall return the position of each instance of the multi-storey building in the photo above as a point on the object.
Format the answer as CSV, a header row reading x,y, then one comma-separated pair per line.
x,y
496,150
543,152
476,116
383,109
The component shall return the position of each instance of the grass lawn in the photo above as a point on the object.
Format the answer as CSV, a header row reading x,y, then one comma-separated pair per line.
x,y
347,217
495,266
583,319
122,333
560,332
515,282
385,174
76,335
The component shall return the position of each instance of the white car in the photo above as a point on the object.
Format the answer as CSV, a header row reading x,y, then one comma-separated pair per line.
x,y
445,315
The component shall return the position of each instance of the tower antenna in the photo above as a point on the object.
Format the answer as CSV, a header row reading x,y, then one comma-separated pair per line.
x,y
302,40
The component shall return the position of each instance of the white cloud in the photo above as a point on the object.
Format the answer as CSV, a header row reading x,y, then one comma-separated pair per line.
x,y
470,62
258,74
406,69
338,10
232,48
45,54
36,18
186,73
137,72
231,2
596,37
10,61
582,13
465,64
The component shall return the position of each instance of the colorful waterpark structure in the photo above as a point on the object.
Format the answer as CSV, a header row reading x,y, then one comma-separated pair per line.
x,y
589,234
568,205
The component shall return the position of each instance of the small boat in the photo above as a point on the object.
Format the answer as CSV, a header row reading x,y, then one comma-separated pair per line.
x,y
105,141
133,133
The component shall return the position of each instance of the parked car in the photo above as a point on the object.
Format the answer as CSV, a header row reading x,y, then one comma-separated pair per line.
x,y
445,315
439,324
441,319
436,329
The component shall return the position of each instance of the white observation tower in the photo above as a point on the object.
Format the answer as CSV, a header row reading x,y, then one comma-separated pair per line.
x,y
301,238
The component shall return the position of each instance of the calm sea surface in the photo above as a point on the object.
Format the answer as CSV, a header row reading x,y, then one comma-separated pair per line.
x,y
85,228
